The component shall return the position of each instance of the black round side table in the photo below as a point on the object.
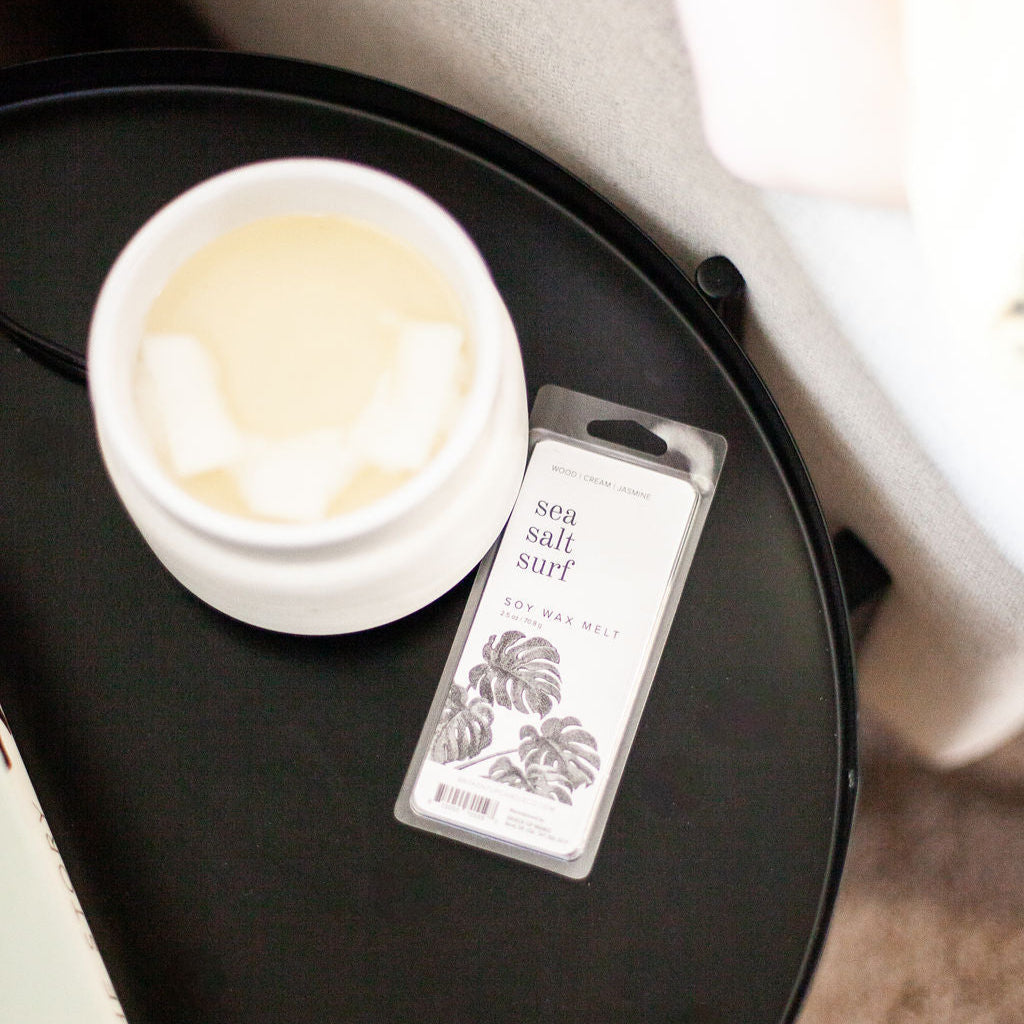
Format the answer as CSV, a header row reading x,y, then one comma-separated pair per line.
x,y
223,796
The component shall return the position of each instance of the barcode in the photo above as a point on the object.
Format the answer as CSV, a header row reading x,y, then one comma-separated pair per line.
x,y
483,806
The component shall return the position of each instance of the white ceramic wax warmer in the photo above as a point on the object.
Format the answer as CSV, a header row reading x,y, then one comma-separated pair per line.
x,y
365,567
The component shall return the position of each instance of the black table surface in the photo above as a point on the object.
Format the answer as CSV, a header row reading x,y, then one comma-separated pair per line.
x,y
223,795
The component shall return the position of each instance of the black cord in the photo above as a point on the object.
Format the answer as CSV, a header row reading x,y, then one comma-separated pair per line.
x,y
66,361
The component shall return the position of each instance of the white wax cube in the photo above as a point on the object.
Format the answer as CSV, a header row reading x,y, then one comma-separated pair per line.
x,y
294,479
407,412
187,404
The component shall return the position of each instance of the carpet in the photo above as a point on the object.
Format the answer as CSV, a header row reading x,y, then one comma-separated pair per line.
x,y
929,924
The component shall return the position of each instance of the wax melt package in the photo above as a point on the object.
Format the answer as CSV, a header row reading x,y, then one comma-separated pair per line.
x,y
529,733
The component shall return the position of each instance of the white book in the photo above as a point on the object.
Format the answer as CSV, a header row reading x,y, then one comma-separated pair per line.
x,y
50,969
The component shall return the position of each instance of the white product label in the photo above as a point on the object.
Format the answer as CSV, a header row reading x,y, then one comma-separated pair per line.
x,y
552,665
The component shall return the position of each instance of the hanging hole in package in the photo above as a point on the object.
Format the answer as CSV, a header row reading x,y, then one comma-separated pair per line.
x,y
529,732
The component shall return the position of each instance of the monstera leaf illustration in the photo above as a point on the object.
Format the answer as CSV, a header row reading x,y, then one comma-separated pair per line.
x,y
464,728
535,779
563,747
518,673
507,771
